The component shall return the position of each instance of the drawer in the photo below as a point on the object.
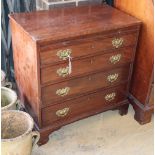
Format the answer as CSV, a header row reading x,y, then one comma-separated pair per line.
x,y
84,106
77,86
59,52
60,72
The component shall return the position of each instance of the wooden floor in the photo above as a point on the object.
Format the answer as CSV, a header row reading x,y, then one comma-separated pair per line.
x,y
104,134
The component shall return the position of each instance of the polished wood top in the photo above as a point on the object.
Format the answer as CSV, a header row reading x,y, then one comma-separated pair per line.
x,y
72,22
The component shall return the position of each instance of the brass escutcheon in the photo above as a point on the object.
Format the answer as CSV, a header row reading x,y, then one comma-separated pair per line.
x,y
64,54
115,58
117,42
110,97
63,72
112,77
62,112
63,92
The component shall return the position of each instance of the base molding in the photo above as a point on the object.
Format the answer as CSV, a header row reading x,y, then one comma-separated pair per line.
x,y
143,113
46,131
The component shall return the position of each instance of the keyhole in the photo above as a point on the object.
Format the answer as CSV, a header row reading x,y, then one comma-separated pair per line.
x,y
89,78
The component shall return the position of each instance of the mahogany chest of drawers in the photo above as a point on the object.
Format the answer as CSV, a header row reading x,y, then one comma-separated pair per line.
x,y
73,63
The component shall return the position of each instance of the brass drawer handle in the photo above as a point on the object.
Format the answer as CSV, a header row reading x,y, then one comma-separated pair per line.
x,y
112,77
62,112
115,58
117,42
63,72
64,54
110,97
63,92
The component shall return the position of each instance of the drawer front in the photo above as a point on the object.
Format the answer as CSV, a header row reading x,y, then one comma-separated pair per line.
x,y
59,52
67,89
61,72
83,106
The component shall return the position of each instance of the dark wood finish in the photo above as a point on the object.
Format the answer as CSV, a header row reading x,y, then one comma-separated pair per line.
x,y
84,84
55,23
85,47
123,110
84,105
89,32
151,96
142,79
143,114
44,132
87,65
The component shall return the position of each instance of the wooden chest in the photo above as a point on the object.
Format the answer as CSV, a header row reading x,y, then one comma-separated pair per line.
x,y
73,63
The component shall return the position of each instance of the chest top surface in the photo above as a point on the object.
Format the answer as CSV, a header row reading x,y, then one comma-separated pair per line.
x,y
71,22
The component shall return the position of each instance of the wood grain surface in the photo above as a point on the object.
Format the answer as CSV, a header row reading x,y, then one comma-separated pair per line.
x,y
84,84
90,32
143,67
142,80
84,105
86,46
85,66
65,22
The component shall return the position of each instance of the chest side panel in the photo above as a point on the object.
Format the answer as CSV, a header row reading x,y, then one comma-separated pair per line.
x,y
26,69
